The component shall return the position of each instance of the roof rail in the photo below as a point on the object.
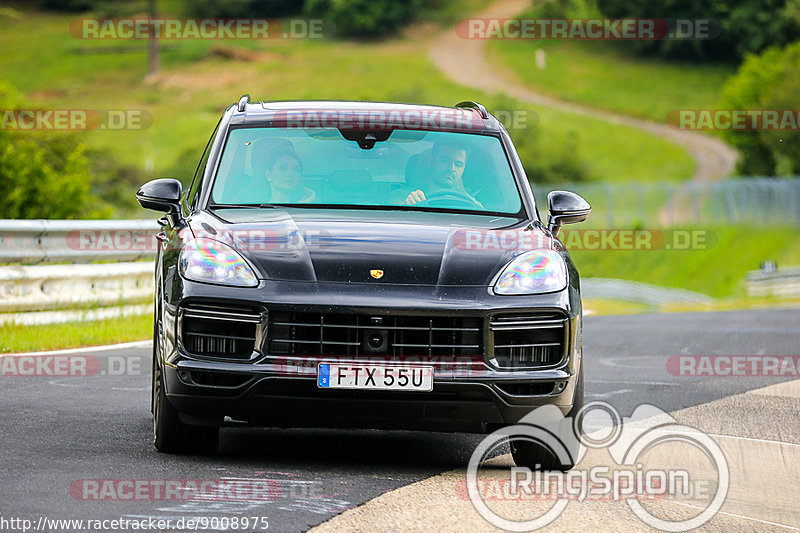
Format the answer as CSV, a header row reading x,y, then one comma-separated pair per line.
x,y
474,105
243,101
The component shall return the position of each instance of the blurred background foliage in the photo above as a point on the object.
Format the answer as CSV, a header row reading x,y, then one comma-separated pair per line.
x,y
749,26
770,80
758,39
371,56
46,176
746,26
108,169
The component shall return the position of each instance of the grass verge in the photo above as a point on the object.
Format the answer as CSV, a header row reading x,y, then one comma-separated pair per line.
x,y
718,270
16,339
604,307
604,75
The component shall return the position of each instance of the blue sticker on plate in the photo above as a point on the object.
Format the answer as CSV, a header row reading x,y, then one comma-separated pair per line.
x,y
324,375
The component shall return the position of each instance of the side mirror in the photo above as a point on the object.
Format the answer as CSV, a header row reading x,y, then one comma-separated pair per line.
x,y
565,208
163,194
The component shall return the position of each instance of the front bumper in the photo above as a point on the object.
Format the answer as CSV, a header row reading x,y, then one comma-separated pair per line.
x,y
264,395
281,391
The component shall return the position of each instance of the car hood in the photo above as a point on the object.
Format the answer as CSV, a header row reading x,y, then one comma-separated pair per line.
x,y
372,246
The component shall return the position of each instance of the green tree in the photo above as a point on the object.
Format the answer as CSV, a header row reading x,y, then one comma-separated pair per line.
x,y
770,81
561,165
744,26
43,176
366,18
243,8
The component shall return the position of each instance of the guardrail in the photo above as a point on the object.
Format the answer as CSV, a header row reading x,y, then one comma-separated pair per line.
x,y
634,291
34,292
38,288
76,241
781,283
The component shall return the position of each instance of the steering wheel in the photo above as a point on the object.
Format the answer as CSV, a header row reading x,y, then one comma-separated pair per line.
x,y
449,196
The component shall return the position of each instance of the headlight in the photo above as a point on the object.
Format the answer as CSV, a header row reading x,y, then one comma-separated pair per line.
x,y
533,273
211,261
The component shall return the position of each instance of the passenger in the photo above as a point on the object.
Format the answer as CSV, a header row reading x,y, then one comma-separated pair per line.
x,y
282,169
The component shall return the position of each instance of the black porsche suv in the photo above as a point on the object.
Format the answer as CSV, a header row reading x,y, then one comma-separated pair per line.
x,y
364,265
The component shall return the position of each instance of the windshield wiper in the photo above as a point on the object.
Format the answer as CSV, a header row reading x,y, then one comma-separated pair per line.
x,y
242,206
405,208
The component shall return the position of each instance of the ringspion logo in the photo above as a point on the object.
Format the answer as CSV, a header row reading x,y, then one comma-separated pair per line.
x,y
648,461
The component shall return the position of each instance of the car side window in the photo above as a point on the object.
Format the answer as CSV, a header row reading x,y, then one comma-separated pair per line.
x,y
194,189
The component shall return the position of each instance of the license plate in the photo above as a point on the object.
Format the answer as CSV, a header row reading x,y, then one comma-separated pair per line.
x,y
378,377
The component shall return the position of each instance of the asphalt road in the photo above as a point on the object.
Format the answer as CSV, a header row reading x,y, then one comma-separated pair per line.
x,y
56,433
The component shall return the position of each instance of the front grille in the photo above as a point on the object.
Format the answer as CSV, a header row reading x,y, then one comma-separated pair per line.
x,y
528,341
215,331
314,334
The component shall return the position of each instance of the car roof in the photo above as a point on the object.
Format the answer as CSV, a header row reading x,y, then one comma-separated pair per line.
x,y
444,118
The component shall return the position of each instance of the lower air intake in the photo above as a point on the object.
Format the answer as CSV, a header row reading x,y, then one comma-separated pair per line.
x,y
222,332
526,389
529,341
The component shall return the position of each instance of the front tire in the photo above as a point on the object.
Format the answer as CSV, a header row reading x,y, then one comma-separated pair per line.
x,y
170,434
536,457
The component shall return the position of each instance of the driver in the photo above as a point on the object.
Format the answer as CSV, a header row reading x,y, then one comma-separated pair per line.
x,y
447,164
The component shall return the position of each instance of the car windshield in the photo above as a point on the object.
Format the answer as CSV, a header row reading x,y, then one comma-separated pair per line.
x,y
405,169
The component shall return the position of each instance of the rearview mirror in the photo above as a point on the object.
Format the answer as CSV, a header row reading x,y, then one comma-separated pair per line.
x,y
565,208
163,194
